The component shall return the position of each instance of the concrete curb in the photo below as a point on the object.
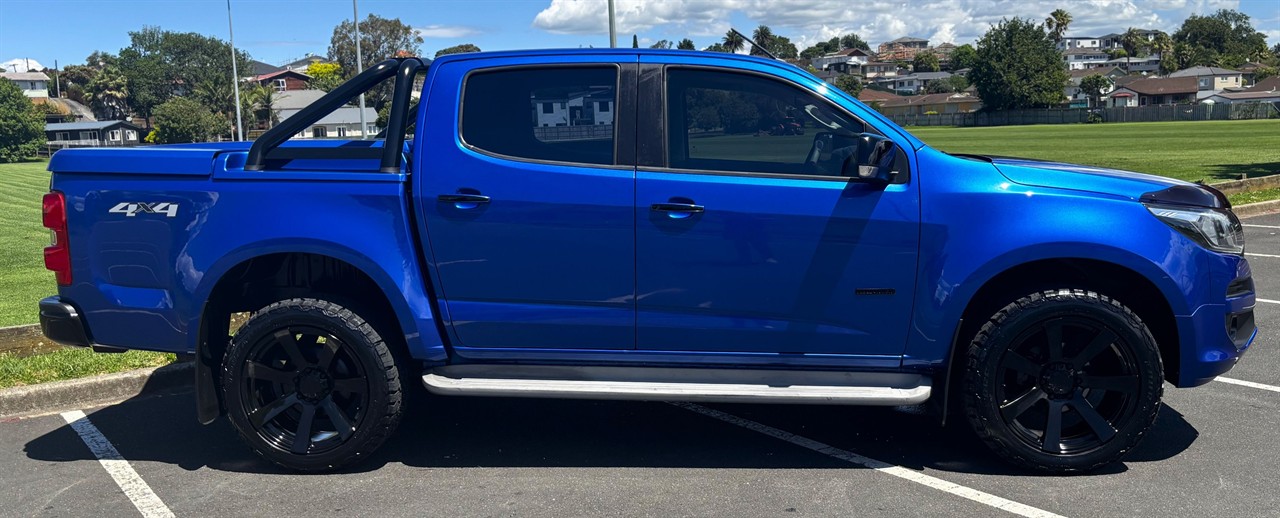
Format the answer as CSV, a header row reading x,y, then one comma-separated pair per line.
x,y
24,332
1256,209
97,390
1249,184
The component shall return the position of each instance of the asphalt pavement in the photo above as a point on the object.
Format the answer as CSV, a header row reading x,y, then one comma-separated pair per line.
x,y
1213,452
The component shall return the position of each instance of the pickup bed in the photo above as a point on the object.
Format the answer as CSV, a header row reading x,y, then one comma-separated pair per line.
x,y
632,224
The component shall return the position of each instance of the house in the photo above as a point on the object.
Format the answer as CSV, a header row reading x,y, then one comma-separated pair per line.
x,y
302,63
1077,98
92,134
917,82
283,80
944,52
1079,58
877,70
1079,42
1143,65
1269,84
1272,96
576,108
258,68
33,84
872,96
902,49
1211,80
847,61
932,103
343,122
1115,40
1154,91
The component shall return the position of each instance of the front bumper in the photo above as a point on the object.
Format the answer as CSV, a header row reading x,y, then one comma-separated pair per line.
x,y
1219,334
62,322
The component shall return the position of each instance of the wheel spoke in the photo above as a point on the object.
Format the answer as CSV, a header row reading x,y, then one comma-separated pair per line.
x,y
262,372
327,351
285,338
1100,343
1021,404
357,386
1099,424
1053,334
269,411
339,419
302,438
1052,438
1021,364
1126,384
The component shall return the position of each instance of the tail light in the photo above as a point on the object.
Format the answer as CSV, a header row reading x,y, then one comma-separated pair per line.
x,y
57,256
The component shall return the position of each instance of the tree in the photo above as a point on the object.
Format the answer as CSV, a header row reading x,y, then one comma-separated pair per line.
x,y
782,47
963,57
853,41
716,47
109,94
635,41
661,44
763,36
1018,67
1057,24
951,84
21,124
849,83
926,62
457,49
1225,38
160,64
1094,86
380,39
262,103
324,76
183,120
733,42
1263,72
686,44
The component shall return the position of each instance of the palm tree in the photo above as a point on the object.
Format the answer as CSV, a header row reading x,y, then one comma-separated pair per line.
x,y
1133,41
263,99
733,42
109,93
1162,43
1057,24
763,36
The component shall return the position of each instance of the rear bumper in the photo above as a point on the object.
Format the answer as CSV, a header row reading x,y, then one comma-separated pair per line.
x,y
62,322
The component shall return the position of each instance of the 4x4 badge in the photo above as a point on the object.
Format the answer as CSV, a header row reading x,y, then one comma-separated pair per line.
x,y
132,209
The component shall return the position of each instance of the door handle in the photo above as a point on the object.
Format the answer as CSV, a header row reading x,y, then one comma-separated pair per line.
x,y
677,207
463,201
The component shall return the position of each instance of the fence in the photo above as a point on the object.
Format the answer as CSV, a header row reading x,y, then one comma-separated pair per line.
x,y
583,132
1190,112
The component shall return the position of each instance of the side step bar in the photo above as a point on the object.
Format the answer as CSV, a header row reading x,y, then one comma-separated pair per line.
x,y
666,384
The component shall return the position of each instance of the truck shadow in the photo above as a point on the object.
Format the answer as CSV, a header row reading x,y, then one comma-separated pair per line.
x,y
490,433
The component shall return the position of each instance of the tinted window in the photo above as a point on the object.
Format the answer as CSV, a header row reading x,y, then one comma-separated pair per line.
x,y
721,121
560,115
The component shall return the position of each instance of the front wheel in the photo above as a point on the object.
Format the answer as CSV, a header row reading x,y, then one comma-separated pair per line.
x,y
1063,381
310,385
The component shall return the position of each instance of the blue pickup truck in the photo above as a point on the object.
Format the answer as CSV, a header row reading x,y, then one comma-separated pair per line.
x,y
632,224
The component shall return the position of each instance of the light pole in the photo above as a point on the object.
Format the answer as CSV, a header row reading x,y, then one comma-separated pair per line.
x,y
613,33
235,73
355,13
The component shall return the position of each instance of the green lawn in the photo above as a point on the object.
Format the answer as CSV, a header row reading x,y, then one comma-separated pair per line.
x,y
23,279
1211,150
71,363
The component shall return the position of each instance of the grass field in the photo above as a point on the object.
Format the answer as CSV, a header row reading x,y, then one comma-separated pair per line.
x,y
71,363
1211,150
23,279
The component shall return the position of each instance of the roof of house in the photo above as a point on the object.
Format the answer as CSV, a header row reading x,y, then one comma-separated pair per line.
x,y
88,125
1247,96
305,61
24,76
1163,86
910,100
1078,50
868,95
279,73
1086,72
909,39
343,115
927,76
297,99
1198,71
1265,85
259,68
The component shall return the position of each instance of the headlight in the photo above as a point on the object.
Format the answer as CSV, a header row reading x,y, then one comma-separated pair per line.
x,y
1215,229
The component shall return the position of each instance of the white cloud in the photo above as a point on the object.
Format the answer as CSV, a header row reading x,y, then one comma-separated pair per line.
x,y
809,21
20,65
446,31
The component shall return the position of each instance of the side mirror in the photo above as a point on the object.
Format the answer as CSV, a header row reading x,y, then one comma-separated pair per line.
x,y
879,169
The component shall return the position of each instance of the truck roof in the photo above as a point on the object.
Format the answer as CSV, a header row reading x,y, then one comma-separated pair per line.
x,y
609,52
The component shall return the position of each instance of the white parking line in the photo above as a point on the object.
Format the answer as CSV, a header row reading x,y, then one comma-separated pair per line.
x,y
1263,255
133,486
883,467
1259,226
1249,384
1268,301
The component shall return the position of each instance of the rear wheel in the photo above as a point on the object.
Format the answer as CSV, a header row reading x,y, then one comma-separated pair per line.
x,y
310,385
1063,381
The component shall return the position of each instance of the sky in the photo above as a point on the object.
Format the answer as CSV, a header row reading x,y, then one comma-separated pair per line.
x,y
278,31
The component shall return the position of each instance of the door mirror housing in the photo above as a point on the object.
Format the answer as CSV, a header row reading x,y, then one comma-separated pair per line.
x,y
879,168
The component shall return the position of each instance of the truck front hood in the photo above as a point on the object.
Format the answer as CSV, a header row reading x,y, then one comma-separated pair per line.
x,y
1113,182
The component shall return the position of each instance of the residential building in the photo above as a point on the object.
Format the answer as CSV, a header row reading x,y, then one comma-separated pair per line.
x,y
1079,58
877,70
284,80
1115,40
258,68
1269,84
873,97
1079,42
33,84
1154,91
1272,96
1079,99
916,83
847,61
343,122
928,104
92,134
1211,80
302,63
580,108
1143,65
944,52
902,49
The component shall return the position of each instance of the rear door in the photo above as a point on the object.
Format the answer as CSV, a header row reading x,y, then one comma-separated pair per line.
x,y
750,239
527,189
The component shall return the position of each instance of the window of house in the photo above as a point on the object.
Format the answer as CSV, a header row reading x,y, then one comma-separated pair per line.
x,y
114,135
604,107
511,113
281,85
88,135
721,121
342,131
371,130
63,135
319,132
130,135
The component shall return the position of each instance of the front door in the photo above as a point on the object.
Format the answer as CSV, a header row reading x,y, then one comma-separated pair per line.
x,y
528,208
751,240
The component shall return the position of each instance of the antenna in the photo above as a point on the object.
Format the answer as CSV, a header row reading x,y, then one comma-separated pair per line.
x,y
753,43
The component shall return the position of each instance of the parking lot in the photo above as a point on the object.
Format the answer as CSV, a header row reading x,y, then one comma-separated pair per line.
x,y
1213,452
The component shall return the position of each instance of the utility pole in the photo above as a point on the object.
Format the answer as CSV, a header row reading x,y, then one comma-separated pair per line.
x,y
355,13
613,33
57,80
235,74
